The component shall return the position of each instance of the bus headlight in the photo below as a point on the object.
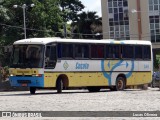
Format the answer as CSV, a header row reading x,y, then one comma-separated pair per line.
x,y
11,75
37,75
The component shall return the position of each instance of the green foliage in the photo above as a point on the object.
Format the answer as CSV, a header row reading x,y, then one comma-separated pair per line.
x,y
87,25
70,8
4,73
45,19
156,63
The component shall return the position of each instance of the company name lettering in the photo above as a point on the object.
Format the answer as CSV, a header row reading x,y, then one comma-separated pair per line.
x,y
82,66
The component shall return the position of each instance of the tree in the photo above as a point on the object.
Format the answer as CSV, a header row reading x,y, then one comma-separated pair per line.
x,y
70,8
45,19
87,25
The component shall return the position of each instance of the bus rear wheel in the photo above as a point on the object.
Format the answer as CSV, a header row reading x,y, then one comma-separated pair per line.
x,y
113,88
59,85
120,84
93,89
32,90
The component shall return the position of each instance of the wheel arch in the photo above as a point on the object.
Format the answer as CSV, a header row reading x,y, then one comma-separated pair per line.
x,y
64,79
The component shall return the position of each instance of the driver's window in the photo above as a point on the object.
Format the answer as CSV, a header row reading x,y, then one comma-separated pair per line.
x,y
51,57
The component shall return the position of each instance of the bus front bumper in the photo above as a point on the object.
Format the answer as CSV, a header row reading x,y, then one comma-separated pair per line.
x,y
17,81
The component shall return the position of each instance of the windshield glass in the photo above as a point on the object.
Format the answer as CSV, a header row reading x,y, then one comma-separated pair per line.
x,y
27,56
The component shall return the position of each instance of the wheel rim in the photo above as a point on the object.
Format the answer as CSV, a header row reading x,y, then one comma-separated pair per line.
x,y
61,85
120,84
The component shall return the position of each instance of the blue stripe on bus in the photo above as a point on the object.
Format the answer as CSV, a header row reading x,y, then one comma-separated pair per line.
x,y
131,71
35,81
109,74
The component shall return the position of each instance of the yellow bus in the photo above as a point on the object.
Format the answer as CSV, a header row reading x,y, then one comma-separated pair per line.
x,y
67,63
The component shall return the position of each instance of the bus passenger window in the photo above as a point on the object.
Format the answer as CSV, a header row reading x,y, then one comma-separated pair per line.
x,y
116,51
100,50
113,51
78,51
146,52
97,51
85,51
67,50
127,51
138,52
109,53
82,51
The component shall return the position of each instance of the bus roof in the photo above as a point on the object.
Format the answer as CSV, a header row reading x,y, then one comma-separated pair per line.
x,y
60,40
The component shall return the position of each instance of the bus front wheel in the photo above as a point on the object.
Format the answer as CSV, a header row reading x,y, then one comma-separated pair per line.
x,y
120,84
59,85
32,90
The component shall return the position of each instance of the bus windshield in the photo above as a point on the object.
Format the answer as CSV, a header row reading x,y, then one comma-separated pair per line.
x,y
27,56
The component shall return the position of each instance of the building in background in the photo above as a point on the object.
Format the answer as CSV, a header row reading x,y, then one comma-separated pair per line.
x,y
132,19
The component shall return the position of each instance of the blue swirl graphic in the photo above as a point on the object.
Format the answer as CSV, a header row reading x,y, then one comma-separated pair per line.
x,y
109,74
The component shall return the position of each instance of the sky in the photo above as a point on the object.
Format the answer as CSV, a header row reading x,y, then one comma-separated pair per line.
x,y
92,5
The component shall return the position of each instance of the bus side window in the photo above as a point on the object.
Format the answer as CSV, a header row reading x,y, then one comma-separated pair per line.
x,y
85,51
100,50
138,52
116,51
113,51
127,51
78,51
81,51
93,51
67,51
109,53
146,52
97,51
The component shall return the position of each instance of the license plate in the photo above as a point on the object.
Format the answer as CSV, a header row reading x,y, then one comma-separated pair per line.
x,y
24,84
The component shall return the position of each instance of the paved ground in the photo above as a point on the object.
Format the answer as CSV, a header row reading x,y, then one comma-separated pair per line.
x,y
81,100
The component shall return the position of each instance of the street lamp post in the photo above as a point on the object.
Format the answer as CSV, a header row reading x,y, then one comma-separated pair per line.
x,y
139,22
24,6
24,20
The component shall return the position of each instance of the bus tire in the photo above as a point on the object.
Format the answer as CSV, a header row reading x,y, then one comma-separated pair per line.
x,y
59,85
32,90
93,89
113,88
120,84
